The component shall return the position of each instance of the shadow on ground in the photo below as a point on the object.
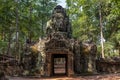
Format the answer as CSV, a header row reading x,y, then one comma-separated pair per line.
x,y
93,77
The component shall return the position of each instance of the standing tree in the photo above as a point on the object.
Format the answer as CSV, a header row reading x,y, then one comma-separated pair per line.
x,y
101,31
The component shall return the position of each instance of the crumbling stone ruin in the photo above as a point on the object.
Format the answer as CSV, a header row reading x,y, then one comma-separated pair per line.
x,y
78,57
57,53
9,66
108,65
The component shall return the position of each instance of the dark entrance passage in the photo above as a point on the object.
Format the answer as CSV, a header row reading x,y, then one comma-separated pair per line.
x,y
59,66
59,62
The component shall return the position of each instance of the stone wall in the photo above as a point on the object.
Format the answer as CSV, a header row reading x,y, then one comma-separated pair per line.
x,y
108,65
84,57
9,65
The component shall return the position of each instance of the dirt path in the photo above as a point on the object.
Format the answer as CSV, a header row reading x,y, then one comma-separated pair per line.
x,y
95,77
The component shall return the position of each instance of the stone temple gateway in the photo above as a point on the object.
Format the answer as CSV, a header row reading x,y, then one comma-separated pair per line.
x,y
59,34
58,51
58,54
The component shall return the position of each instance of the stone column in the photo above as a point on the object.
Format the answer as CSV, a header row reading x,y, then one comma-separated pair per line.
x,y
48,65
70,65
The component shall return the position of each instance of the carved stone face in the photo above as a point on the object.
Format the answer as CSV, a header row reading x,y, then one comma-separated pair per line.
x,y
58,20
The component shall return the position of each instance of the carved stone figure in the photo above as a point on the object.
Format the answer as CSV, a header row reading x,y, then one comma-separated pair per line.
x,y
88,55
59,22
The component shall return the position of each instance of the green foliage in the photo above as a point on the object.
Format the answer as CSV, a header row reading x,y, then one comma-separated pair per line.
x,y
85,22
3,46
32,17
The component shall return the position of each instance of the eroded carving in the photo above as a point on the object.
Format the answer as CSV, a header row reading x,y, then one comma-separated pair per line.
x,y
59,22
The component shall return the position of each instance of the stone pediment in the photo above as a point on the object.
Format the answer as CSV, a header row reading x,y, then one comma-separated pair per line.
x,y
57,44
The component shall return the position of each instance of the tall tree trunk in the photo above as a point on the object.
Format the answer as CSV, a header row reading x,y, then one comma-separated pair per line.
x,y
101,31
43,5
42,28
30,21
119,47
3,35
17,32
9,42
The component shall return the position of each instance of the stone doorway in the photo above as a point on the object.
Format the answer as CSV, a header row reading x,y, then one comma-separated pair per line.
x,y
59,64
56,54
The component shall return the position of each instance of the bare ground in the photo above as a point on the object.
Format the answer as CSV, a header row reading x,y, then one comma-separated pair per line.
x,y
93,77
